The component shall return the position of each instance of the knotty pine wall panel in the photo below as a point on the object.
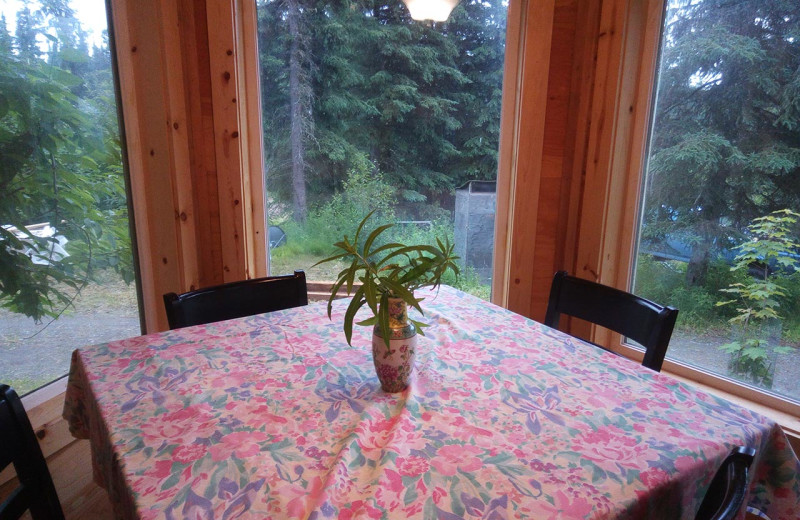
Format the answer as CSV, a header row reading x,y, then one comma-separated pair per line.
x,y
547,193
197,86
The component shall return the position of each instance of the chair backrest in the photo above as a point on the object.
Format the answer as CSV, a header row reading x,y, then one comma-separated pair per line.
x,y
725,496
18,446
236,299
643,321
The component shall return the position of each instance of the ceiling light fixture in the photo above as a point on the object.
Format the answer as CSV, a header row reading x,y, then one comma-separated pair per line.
x,y
436,10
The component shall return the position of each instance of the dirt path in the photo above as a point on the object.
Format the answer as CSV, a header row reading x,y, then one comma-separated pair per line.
x,y
702,352
33,354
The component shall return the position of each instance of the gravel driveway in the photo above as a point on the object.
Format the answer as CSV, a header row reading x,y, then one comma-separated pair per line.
x,y
33,354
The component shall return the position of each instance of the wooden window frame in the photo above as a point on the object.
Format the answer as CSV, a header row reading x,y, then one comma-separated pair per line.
x,y
627,62
192,121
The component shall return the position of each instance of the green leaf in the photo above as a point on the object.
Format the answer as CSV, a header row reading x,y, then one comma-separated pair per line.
x,y
361,226
385,247
383,319
406,250
351,274
371,238
419,325
330,259
731,348
755,353
355,304
370,294
334,291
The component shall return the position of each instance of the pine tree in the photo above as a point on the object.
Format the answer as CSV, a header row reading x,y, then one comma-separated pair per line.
x,y
6,42
386,89
726,140
26,33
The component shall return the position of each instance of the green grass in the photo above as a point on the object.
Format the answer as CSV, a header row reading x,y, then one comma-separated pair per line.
x,y
309,243
26,385
285,261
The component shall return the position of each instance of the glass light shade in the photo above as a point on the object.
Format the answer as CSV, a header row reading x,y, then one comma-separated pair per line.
x,y
436,10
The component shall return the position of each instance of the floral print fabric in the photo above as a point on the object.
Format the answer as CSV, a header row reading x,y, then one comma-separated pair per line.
x,y
274,416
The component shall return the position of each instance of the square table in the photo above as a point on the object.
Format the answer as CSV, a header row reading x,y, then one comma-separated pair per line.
x,y
275,416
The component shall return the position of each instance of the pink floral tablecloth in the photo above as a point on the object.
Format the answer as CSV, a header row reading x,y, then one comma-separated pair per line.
x,y
274,416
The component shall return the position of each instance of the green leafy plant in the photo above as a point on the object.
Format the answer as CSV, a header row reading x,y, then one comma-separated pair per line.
x,y
387,270
759,299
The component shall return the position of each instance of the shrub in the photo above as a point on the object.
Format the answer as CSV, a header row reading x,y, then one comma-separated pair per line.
x,y
696,306
665,282
758,300
657,280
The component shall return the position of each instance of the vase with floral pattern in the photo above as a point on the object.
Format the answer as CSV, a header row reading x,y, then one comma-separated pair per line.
x,y
395,363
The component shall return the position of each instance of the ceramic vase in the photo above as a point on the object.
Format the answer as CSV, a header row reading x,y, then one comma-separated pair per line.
x,y
395,363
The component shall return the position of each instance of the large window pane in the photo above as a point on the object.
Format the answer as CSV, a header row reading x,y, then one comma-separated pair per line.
x,y
65,251
366,109
719,233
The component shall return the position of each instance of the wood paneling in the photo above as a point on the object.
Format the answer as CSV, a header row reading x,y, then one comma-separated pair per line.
x,y
145,107
233,69
197,86
559,42
227,133
617,124
528,147
197,194
558,145
179,141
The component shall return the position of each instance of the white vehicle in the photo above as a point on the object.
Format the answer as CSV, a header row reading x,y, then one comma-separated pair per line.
x,y
41,255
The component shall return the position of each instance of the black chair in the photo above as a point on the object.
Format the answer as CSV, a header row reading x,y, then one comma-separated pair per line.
x,y
18,446
725,496
236,299
643,321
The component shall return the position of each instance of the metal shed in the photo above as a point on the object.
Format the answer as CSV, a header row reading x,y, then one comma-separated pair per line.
x,y
474,226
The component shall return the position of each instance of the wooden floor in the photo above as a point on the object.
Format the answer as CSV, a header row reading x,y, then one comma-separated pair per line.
x,y
68,459
81,498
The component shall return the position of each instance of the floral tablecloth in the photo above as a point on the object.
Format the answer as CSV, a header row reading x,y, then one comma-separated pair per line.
x,y
274,416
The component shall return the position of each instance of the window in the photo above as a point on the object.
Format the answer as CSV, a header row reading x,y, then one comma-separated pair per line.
x,y
365,109
66,267
719,235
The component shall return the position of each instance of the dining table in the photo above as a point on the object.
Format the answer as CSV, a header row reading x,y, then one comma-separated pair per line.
x,y
276,416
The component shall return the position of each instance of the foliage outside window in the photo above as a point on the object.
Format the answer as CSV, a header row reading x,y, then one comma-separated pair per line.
x,y
758,300
61,172
366,109
724,155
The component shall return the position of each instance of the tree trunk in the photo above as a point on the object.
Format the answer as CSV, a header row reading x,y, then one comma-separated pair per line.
x,y
697,270
296,98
